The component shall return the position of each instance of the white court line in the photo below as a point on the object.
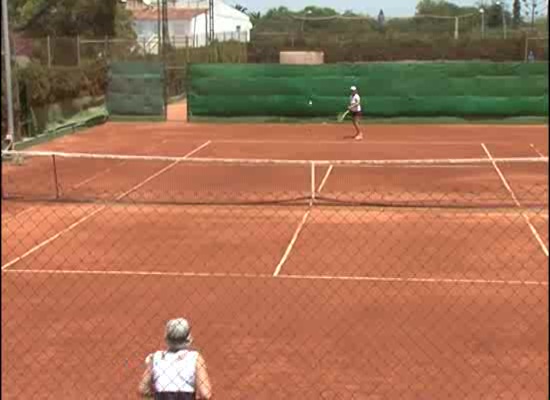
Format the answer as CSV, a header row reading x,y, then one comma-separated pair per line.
x,y
291,244
516,201
325,178
97,175
281,276
342,142
537,151
101,208
299,228
17,215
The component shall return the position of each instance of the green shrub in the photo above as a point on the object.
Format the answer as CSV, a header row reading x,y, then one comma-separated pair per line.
x,y
394,47
51,85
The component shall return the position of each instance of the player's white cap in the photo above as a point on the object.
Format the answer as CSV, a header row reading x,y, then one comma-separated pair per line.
x,y
353,88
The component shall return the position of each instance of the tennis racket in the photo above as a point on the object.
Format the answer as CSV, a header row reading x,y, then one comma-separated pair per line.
x,y
343,115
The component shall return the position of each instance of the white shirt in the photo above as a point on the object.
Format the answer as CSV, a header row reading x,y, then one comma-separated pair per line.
x,y
174,371
355,103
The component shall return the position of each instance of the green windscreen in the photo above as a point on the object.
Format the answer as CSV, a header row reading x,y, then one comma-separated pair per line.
x,y
387,89
136,89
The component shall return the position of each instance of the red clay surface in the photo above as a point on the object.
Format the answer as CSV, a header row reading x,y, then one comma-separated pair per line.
x,y
168,239
417,244
277,338
368,303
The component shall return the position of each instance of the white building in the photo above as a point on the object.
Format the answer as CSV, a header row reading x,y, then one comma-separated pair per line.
x,y
188,22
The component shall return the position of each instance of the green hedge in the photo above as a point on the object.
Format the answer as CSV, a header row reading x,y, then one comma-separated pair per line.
x,y
393,48
46,86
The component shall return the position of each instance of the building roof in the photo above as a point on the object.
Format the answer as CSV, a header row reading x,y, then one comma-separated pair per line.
x,y
151,13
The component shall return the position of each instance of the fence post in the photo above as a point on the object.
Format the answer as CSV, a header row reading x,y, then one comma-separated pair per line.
x,y
456,28
312,198
55,177
526,48
106,46
78,50
49,51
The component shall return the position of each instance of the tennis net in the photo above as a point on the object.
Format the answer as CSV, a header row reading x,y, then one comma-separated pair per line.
x,y
461,183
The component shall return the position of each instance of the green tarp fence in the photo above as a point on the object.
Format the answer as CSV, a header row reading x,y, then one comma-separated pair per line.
x,y
472,89
136,89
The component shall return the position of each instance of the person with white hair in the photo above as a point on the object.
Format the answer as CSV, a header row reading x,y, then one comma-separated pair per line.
x,y
177,373
356,111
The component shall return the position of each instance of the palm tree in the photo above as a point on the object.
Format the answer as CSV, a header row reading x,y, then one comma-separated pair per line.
x,y
240,8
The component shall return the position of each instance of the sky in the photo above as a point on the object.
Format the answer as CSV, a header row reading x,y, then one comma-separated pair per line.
x,y
392,8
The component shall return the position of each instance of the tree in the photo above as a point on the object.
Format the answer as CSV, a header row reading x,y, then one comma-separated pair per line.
x,y
494,15
381,18
516,13
71,17
241,8
437,7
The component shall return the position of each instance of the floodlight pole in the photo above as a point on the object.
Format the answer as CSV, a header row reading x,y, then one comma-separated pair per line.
x,y
211,19
7,62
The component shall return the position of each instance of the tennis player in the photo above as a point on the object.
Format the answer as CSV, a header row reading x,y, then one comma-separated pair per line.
x,y
177,373
355,110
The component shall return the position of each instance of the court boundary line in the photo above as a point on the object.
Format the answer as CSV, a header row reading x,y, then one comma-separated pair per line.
x,y
213,275
96,175
298,230
99,209
325,179
331,142
291,244
516,201
537,151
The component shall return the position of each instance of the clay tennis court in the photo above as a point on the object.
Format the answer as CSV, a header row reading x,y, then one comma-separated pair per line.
x,y
414,281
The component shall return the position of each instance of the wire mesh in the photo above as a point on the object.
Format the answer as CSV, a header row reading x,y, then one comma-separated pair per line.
x,y
87,177
309,300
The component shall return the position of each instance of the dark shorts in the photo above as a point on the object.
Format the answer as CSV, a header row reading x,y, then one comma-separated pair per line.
x,y
356,114
174,396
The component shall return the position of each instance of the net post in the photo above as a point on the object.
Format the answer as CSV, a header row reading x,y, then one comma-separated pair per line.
x,y
312,183
55,177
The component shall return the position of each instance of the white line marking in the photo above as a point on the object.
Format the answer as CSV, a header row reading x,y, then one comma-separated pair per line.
x,y
537,151
52,238
291,244
516,201
97,175
7,217
281,276
325,178
97,210
253,161
341,142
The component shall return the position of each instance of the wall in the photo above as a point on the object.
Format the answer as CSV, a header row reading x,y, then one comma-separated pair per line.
x,y
473,89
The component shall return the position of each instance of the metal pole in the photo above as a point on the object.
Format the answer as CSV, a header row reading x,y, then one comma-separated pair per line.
x,y
55,177
504,21
206,28
482,11
7,62
312,183
456,28
49,50
159,32
78,50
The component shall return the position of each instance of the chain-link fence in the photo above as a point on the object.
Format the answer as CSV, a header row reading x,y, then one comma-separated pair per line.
x,y
310,280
